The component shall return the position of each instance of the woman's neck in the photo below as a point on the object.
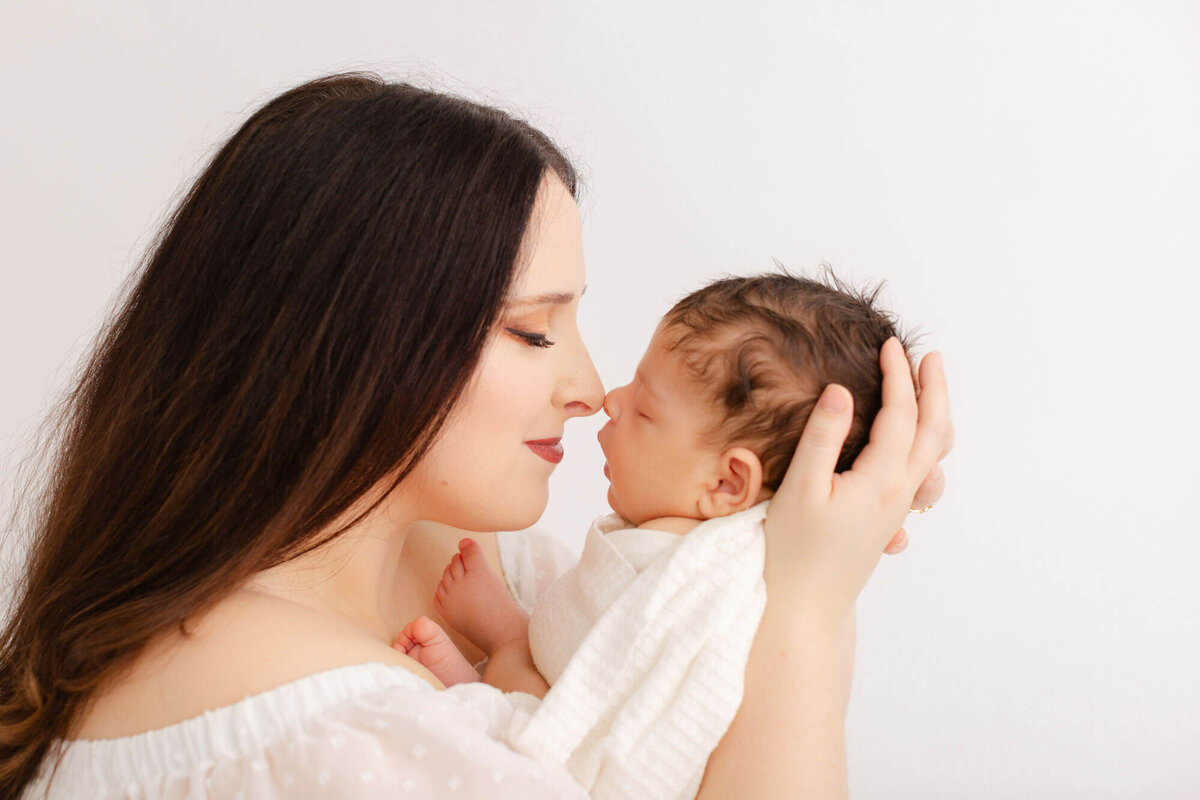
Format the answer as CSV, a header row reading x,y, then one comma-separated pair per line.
x,y
358,576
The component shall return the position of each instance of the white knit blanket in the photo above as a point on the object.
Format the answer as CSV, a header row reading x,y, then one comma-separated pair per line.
x,y
660,669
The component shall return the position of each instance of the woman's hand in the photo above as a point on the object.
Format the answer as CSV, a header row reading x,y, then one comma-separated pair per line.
x,y
926,496
825,531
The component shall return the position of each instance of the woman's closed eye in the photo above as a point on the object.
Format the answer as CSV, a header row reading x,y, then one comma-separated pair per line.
x,y
531,338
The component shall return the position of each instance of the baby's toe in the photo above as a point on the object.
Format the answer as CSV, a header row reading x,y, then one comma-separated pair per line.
x,y
472,555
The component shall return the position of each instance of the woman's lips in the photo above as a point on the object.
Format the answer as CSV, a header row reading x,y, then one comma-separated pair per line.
x,y
549,449
606,472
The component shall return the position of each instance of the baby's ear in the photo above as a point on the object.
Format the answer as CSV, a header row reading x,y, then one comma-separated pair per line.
x,y
735,486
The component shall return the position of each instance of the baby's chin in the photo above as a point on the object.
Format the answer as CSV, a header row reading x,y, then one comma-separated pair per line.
x,y
612,501
618,507
634,518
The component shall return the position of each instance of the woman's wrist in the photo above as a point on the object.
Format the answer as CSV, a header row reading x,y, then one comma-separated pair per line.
x,y
791,724
818,602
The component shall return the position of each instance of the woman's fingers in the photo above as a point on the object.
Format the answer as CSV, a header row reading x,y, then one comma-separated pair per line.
x,y
933,439
935,433
931,488
820,446
898,543
892,432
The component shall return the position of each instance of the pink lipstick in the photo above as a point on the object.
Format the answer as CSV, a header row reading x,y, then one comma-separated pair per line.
x,y
549,449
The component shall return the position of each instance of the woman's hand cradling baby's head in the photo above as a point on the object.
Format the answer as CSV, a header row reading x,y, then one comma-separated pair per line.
x,y
825,531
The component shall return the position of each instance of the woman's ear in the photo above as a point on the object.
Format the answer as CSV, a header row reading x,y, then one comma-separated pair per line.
x,y
735,486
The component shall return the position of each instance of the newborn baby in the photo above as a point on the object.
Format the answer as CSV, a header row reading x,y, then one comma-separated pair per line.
x,y
695,444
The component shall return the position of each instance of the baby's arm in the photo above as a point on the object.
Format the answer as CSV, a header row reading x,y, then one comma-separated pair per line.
x,y
510,669
475,601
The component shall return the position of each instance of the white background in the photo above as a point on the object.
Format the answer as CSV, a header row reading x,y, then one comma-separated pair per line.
x,y
1025,174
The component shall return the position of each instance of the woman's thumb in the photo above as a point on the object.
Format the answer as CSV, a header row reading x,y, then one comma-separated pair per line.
x,y
820,444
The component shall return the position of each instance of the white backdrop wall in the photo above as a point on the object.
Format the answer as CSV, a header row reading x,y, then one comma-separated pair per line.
x,y
1024,174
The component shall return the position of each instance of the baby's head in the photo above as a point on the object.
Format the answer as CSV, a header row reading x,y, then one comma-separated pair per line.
x,y
710,421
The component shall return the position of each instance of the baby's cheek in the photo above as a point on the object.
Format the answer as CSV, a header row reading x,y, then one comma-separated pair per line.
x,y
657,477
630,486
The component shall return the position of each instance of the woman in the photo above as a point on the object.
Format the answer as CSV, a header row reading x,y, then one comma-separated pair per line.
x,y
362,316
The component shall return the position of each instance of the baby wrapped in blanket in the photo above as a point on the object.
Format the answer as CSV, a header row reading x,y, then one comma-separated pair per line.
x,y
638,653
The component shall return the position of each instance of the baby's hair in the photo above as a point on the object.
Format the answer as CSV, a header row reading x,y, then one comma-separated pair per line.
x,y
764,347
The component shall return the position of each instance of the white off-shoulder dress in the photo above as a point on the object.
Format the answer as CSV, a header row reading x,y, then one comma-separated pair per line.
x,y
362,731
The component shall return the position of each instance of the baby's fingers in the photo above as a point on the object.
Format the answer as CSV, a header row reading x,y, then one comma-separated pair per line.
x,y
405,640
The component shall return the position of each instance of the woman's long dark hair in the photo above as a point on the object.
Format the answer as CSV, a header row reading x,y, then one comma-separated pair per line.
x,y
299,330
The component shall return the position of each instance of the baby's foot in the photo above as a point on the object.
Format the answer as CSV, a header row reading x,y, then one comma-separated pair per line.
x,y
424,640
475,601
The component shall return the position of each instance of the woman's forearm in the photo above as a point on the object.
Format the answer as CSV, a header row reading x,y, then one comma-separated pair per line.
x,y
788,738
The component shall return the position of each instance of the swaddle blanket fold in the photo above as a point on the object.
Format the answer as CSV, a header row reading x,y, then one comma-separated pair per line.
x,y
659,674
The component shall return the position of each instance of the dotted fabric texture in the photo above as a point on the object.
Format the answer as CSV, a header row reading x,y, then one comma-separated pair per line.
x,y
364,731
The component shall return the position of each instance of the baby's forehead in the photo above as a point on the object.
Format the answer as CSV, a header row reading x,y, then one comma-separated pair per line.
x,y
684,373
695,334
660,369
699,353
727,363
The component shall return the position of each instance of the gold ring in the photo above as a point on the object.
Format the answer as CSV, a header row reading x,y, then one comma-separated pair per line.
x,y
921,510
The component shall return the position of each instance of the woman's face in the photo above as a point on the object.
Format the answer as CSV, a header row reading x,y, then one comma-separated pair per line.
x,y
490,467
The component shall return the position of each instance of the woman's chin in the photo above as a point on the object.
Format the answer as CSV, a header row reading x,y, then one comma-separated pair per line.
x,y
511,512
487,523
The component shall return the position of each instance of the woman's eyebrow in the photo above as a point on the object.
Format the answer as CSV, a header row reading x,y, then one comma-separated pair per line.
x,y
551,298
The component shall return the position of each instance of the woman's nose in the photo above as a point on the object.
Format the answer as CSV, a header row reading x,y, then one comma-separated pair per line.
x,y
582,392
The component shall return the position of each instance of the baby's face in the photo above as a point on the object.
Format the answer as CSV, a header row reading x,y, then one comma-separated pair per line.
x,y
657,463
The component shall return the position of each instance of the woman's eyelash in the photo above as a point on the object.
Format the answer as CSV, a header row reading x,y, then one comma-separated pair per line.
x,y
535,339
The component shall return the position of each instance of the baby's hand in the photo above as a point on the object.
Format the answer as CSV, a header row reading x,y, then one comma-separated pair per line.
x,y
477,603
426,642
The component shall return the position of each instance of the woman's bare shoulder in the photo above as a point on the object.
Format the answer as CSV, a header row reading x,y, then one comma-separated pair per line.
x,y
248,643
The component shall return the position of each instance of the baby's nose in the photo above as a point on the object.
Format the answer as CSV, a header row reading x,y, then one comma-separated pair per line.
x,y
610,406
